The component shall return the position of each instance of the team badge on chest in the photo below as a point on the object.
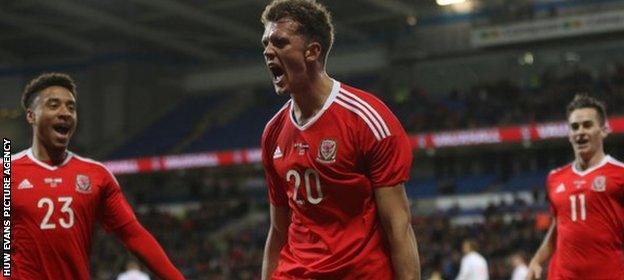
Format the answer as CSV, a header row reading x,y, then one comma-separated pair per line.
x,y
599,184
83,183
327,151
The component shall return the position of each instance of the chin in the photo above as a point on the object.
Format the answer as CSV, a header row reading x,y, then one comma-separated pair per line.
x,y
60,146
585,153
281,92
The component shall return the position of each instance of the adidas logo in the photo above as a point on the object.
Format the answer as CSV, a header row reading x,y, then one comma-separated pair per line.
x,y
278,153
560,188
25,185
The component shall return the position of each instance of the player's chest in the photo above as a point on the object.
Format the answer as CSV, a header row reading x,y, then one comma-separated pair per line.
x,y
45,187
579,192
319,149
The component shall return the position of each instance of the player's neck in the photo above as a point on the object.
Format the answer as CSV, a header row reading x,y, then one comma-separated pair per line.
x,y
54,157
584,163
311,99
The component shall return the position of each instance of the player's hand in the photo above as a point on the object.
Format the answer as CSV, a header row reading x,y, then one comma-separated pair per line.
x,y
535,271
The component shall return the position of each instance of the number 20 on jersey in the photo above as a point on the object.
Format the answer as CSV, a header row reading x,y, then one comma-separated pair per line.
x,y
309,176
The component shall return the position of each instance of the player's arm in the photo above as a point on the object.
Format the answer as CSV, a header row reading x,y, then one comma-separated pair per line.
x,y
395,216
543,253
143,245
278,234
117,217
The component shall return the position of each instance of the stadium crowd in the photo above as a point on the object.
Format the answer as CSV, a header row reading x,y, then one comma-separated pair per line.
x,y
440,241
505,102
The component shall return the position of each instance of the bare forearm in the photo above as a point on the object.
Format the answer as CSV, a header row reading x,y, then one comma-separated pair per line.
x,y
542,254
275,242
395,217
546,249
404,252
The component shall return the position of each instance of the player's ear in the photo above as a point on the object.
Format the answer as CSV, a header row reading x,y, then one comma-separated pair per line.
x,y
605,130
313,52
30,115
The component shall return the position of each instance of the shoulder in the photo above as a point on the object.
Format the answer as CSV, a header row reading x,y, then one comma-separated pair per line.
x,y
560,170
370,111
277,119
557,177
92,165
16,159
354,97
481,258
474,257
279,116
615,163
273,127
19,157
615,169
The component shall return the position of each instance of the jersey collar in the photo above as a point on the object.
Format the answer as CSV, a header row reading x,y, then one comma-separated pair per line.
x,y
604,161
32,157
328,102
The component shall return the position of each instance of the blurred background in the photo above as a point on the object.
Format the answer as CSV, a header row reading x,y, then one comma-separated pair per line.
x,y
173,96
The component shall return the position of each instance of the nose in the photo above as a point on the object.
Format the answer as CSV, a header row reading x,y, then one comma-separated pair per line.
x,y
268,52
581,132
64,112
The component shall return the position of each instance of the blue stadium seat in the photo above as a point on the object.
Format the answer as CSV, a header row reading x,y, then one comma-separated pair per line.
x,y
526,181
166,132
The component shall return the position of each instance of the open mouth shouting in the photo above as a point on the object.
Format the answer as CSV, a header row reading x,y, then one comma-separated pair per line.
x,y
62,131
278,73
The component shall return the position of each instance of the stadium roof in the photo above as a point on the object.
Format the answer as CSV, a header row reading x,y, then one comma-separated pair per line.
x,y
38,30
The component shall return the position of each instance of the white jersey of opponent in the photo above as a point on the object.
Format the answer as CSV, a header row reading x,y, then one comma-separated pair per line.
x,y
133,274
473,267
520,272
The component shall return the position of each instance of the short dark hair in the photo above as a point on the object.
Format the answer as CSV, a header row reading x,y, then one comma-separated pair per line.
x,y
43,81
583,100
314,19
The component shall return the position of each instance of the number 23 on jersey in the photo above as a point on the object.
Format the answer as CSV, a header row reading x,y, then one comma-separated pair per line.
x,y
66,221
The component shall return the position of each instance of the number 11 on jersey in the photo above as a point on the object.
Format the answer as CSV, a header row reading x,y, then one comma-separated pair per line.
x,y
573,214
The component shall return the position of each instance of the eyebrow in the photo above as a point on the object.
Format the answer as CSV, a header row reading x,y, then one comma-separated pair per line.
x,y
581,122
270,37
56,99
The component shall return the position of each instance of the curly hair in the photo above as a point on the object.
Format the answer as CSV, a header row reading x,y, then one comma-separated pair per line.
x,y
43,81
315,22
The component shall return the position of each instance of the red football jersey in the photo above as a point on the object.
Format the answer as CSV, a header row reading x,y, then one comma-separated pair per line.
x,y
54,209
325,171
589,208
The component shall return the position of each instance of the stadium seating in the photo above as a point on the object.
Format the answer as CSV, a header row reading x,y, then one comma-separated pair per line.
x,y
166,132
526,181
484,105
